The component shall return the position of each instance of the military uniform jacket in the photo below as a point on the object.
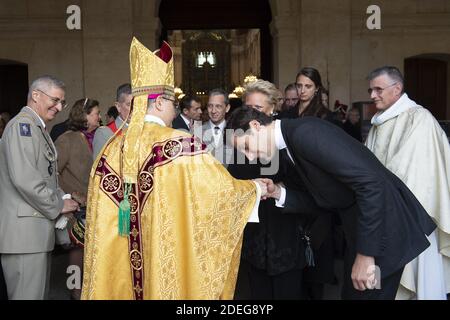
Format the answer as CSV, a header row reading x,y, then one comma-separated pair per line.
x,y
30,199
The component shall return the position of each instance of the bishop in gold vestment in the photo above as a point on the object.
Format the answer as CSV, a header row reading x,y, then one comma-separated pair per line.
x,y
187,214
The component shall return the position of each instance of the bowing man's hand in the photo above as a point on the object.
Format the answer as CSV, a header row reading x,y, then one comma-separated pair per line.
x,y
363,272
273,190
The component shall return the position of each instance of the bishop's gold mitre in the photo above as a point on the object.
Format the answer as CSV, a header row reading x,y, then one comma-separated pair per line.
x,y
152,74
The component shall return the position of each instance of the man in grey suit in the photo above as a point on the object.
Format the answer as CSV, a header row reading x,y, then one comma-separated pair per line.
x,y
30,197
213,131
123,105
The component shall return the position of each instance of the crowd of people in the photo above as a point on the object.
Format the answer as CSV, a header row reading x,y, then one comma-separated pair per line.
x,y
157,204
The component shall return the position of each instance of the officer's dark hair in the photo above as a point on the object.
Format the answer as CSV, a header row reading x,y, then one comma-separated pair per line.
x,y
242,116
122,90
113,112
185,102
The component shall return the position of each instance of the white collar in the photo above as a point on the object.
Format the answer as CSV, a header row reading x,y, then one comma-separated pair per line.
x,y
401,105
279,140
220,125
42,121
154,119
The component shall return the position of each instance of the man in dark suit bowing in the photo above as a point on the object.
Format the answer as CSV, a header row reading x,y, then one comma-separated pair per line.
x,y
384,224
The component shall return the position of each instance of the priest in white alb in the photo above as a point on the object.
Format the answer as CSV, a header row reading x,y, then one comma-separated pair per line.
x,y
409,141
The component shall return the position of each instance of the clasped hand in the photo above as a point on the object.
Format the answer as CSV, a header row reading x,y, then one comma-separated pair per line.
x,y
268,188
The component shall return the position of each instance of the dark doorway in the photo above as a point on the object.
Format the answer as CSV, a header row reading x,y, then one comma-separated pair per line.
x,y
13,86
221,14
426,83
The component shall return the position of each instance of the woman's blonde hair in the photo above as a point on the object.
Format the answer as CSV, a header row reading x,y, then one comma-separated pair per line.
x,y
274,96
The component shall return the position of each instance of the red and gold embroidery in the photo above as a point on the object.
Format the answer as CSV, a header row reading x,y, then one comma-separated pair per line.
x,y
111,184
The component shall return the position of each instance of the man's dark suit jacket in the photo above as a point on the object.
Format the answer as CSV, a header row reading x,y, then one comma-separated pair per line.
x,y
178,123
274,244
380,215
58,129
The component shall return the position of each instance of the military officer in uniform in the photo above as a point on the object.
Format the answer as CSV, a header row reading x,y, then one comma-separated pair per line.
x,y
29,195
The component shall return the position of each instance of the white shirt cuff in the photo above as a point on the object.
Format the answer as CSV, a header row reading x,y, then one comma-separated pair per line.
x,y
280,202
67,196
254,215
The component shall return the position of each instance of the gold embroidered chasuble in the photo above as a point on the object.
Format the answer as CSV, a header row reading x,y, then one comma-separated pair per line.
x,y
192,215
186,216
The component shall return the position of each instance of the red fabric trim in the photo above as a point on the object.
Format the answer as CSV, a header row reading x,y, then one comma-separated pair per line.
x,y
165,53
112,185
113,126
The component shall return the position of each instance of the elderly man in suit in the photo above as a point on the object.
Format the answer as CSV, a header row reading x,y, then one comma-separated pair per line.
x,y
384,224
213,130
30,197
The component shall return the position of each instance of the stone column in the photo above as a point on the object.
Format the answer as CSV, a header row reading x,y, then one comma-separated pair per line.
x,y
146,23
107,33
285,33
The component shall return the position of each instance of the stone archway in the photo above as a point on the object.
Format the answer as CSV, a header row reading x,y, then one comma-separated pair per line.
x,y
13,86
277,19
221,14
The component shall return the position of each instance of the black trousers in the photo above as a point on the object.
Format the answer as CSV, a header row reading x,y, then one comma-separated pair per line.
x,y
284,286
3,291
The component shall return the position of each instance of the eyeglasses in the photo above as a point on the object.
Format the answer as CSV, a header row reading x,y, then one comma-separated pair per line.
x,y
378,90
174,102
55,100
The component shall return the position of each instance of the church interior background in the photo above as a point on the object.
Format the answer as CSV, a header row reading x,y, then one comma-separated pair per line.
x,y
219,43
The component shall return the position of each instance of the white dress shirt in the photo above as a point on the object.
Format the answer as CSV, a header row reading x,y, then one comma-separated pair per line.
x,y
281,144
217,134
